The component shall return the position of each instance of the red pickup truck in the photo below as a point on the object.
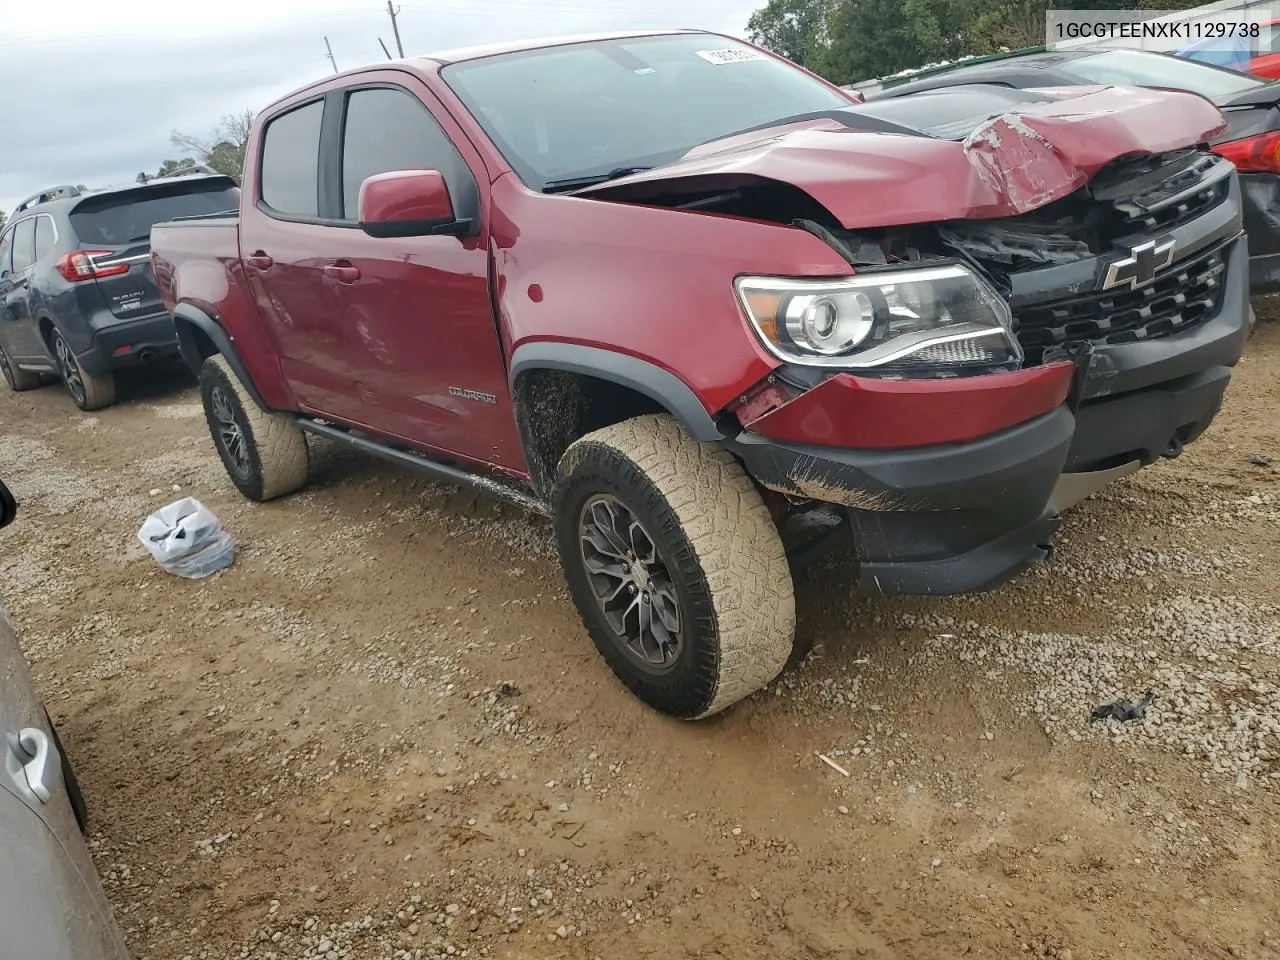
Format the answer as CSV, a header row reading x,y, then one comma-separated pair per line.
x,y
690,300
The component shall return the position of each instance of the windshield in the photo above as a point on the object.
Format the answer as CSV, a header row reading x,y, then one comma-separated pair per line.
x,y
1135,68
587,109
115,219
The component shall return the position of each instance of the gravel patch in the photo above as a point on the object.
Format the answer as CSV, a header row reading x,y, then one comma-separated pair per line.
x,y
1213,664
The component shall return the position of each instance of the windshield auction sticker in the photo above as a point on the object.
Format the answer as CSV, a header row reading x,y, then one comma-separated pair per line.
x,y
1183,32
720,57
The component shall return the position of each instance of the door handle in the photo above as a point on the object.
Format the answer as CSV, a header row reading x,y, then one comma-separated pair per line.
x,y
260,261
342,272
31,763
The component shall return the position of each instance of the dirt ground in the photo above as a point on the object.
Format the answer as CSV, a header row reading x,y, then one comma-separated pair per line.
x,y
384,734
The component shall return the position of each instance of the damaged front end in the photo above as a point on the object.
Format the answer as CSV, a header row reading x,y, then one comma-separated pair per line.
x,y
1140,254
1039,301
1128,301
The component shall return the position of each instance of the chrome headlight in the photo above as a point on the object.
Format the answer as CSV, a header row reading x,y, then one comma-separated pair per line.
x,y
911,319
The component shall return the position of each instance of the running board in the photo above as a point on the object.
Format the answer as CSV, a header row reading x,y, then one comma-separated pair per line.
x,y
441,471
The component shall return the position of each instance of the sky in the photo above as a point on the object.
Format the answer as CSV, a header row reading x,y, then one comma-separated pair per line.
x,y
92,91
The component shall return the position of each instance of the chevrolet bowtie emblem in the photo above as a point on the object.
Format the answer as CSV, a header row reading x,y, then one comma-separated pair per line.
x,y
1141,266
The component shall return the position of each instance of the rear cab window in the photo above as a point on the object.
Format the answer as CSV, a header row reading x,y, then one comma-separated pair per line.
x,y
289,171
126,217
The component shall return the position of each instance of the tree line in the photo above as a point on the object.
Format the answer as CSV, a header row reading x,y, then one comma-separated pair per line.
x,y
221,151
847,41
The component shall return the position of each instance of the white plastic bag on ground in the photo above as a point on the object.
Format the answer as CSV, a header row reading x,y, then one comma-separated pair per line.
x,y
187,539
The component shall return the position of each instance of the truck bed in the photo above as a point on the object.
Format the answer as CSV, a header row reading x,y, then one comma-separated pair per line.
x,y
178,244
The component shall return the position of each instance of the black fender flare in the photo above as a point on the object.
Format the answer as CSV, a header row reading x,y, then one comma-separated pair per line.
x,y
661,386
187,319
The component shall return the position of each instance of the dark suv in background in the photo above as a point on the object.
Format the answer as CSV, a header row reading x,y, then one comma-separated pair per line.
x,y
77,296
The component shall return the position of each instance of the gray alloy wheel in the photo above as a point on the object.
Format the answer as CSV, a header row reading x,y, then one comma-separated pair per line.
x,y
228,434
631,582
88,391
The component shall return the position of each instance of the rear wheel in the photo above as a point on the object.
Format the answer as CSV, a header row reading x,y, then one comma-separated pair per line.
x,y
17,378
675,565
265,453
88,391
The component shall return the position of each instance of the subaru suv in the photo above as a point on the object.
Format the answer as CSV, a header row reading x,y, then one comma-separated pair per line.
x,y
77,297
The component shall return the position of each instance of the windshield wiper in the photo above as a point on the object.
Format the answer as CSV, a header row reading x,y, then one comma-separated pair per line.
x,y
574,183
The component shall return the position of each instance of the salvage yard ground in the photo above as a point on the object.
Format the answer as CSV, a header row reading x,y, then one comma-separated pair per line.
x,y
383,733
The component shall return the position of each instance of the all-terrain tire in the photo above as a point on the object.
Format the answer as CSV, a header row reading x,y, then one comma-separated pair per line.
x,y
720,548
271,458
17,378
89,391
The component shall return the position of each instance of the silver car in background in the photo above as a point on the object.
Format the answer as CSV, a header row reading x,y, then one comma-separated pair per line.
x,y
52,906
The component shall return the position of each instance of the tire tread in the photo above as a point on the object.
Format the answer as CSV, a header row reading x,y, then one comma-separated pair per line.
x,y
281,447
734,541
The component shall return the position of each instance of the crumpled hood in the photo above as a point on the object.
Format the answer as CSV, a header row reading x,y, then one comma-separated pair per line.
x,y
1034,147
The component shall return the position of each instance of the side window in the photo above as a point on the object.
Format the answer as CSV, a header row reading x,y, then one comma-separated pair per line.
x,y
290,168
45,236
6,253
389,130
24,245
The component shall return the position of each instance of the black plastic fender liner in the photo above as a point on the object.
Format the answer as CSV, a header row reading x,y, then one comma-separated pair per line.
x,y
664,388
186,320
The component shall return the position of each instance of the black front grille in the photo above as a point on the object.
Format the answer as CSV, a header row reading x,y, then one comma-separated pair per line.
x,y
1158,193
1182,210
1184,296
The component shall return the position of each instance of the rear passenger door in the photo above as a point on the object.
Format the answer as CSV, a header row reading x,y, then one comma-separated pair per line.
x,y
416,312
282,242
20,330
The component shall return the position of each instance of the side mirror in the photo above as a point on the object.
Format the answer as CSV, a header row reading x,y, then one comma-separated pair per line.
x,y
408,203
8,506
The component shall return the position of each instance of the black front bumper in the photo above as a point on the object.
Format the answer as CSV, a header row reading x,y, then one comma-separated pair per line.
x,y
937,520
126,343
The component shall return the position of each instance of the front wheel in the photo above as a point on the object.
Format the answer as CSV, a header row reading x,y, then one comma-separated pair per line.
x,y
88,391
675,565
265,452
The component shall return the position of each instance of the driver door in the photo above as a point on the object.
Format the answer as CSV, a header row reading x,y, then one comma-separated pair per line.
x,y
416,313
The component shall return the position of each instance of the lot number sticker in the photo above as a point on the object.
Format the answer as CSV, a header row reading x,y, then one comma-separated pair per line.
x,y
720,57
